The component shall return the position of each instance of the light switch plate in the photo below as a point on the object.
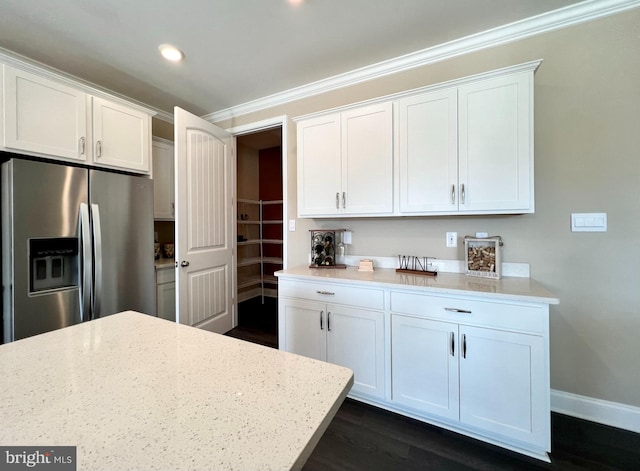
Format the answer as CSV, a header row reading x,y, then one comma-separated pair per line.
x,y
588,222
292,225
346,237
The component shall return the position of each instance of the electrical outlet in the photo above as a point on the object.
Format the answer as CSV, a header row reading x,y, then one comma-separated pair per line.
x,y
452,239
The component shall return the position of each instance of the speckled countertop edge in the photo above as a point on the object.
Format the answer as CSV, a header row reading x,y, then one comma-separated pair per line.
x,y
506,288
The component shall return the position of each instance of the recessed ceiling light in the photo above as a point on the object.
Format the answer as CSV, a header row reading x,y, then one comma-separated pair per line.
x,y
171,53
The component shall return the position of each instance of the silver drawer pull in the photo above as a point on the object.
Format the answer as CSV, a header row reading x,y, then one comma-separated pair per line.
x,y
453,309
329,293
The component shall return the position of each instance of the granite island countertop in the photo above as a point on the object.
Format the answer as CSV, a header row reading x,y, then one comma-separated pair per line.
x,y
506,288
136,392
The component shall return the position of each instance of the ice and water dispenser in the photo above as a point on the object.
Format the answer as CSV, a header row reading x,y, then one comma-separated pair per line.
x,y
53,264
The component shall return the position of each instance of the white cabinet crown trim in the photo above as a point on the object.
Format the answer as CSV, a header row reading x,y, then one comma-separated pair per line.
x,y
514,69
44,71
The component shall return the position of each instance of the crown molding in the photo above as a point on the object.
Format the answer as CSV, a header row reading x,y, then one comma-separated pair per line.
x,y
562,18
42,70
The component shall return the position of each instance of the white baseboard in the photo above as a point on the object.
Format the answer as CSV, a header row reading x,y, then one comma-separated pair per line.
x,y
596,410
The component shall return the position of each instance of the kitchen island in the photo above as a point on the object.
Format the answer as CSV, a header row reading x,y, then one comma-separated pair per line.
x,y
136,392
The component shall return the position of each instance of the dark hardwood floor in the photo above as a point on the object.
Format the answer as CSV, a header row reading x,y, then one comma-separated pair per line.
x,y
257,322
363,437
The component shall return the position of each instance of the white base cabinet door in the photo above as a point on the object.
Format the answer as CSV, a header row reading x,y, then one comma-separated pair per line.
x,y
355,339
424,362
346,336
166,293
44,117
304,328
502,386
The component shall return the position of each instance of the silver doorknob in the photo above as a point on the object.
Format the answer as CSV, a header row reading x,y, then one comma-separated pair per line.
x,y
184,263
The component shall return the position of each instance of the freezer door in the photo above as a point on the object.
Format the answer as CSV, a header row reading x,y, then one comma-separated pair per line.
x,y
41,272
122,223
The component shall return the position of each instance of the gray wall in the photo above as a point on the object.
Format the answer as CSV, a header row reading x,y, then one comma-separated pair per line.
x,y
587,141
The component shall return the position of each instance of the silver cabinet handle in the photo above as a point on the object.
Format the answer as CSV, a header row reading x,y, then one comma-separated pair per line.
x,y
82,145
344,200
321,326
453,344
453,309
98,148
453,194
184,263
464,345
328,293
337,200
329,321
462,194
173,209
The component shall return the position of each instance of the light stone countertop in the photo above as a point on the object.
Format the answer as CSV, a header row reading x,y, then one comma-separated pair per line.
x,y
134,392
506,288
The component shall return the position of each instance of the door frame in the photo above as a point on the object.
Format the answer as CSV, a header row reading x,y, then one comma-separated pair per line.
x,y
251,128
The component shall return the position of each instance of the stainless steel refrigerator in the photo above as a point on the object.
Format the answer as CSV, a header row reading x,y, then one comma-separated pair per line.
x,y
77,244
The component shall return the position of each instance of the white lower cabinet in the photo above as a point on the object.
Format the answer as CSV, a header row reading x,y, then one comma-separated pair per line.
x,y
473,364
339,334
480,365
166,293
424,365
486,378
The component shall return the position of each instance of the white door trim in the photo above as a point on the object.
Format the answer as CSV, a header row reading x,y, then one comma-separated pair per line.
x,y
264,125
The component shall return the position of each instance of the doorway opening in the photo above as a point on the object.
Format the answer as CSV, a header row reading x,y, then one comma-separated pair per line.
x,y
260,233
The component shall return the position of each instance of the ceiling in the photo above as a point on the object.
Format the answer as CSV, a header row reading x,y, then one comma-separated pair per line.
x,y
237,50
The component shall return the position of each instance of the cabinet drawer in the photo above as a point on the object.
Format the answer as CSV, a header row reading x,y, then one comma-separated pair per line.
x,y
165,275
502,315
367,298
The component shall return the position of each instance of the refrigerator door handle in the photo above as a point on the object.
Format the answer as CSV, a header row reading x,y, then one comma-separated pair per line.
x,y
97,258
84,229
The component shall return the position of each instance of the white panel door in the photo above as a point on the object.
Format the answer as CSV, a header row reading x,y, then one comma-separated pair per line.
x,y
205,159
319,184
428,147
44,116
424,356
302,328
496,136
121,136
355,339
367,160
502,384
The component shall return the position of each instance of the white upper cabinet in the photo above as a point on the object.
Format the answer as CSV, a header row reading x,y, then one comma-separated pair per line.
x,y
428,152
51,118
43,116
496,145
319,169
468,149
345,163
163,180
462,147
121,136
367,160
